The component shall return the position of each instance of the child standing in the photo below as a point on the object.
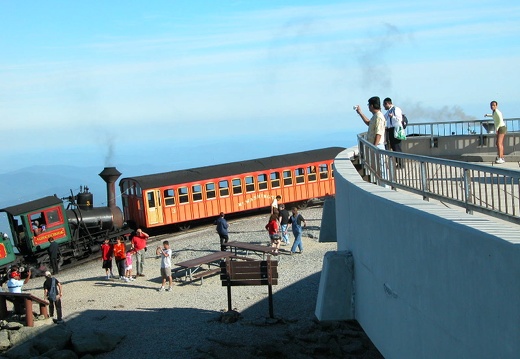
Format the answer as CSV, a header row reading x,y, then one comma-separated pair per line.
x,y
128,265
166,265
106,254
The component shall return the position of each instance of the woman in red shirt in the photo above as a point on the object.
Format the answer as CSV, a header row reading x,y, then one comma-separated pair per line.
x,y
120,256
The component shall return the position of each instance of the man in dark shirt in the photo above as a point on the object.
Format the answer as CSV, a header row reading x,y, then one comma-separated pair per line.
x,y
54,252
53,291
284,221
222,230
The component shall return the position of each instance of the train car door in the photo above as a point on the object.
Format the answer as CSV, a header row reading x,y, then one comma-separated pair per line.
x,y
154,208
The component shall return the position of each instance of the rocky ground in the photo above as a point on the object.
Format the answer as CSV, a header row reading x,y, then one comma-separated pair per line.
x,y
190,321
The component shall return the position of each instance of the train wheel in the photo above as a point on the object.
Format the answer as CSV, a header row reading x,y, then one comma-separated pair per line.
x,y
303,204
184,227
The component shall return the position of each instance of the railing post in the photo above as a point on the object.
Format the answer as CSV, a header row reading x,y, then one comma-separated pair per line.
x,y
424,180
467,190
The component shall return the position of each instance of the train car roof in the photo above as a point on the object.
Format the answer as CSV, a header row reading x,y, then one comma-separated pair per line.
x,y
32,205
233,168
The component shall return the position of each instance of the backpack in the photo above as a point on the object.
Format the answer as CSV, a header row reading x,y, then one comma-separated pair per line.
x,y
53,292
405,121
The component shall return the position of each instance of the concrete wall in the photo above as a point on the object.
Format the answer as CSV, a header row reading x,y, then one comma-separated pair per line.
x,y
429,281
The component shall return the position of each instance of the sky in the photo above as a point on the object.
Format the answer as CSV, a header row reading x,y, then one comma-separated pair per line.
x,y
165,85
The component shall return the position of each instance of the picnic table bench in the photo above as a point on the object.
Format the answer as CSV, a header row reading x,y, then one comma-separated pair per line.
x,y
27,299
257,248
238,273
194,266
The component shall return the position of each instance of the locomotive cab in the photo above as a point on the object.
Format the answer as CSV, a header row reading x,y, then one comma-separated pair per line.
x,y
33,223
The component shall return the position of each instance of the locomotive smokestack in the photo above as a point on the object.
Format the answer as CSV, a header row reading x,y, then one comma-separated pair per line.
x,y
110,176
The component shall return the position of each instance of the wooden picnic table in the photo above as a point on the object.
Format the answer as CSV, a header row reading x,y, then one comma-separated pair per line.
x,y
194,266
257,248
28,300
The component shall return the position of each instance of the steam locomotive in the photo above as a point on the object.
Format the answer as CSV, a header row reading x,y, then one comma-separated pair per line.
x,y
79,229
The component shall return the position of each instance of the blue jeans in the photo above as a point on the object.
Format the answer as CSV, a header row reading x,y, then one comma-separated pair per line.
x,y
285,236
297,242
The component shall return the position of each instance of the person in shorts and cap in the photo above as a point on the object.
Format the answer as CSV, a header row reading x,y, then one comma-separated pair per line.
x,y
52,290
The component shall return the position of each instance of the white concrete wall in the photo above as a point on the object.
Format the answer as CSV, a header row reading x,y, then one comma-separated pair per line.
x,y
430,282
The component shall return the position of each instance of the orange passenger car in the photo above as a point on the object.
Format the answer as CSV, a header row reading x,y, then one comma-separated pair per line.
x,y
180,197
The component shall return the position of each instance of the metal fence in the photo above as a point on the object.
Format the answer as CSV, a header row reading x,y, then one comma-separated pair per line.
x,y
490,190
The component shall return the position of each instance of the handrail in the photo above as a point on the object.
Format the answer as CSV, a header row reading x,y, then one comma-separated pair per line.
x,y
465,127
490,190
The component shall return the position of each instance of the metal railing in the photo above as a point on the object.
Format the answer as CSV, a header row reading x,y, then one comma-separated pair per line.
x,y
485,189
451,128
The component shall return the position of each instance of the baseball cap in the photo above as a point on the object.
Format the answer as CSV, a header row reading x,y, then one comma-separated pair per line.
x,y
48,274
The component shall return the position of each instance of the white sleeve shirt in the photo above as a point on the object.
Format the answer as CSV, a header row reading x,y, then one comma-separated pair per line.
x,y
394,117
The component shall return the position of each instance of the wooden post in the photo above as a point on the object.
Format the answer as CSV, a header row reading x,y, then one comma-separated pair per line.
x,y
3,308
270,286
228,271
29,319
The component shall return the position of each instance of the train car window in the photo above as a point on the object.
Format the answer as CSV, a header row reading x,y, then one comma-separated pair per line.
x,y
275,179
223,188
169,197
183,194
262,182
151,199
196,193
311,174
138,190
237,186
324,171
125,187
287,178
299,175
250,184
210,190
52,217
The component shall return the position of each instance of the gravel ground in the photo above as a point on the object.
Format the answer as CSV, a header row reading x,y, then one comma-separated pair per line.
x,y
185,323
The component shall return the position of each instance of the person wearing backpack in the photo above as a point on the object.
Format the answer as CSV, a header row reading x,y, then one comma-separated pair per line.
x,y
52,290
394,118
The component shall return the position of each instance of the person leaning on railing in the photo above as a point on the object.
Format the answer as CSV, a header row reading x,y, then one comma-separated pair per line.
x,y
376,125
500,130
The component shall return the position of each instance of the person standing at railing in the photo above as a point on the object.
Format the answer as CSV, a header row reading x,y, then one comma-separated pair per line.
x,y
376,129
394,118
376,125
500,130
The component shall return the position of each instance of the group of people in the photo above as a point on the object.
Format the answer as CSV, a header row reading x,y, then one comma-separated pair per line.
x,y
52,291
124,258
381,127
277,227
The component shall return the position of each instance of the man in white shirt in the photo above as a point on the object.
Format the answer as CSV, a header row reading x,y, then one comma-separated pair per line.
x,y
394,118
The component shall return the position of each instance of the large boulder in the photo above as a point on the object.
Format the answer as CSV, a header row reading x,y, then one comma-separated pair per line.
x,y
94,342
56,337
5,343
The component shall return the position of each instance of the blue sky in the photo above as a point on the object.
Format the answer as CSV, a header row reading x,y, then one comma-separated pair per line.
x,y
177,84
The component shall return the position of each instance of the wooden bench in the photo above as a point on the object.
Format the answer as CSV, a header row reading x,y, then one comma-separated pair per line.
x,y
20,299
239,273
205,273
